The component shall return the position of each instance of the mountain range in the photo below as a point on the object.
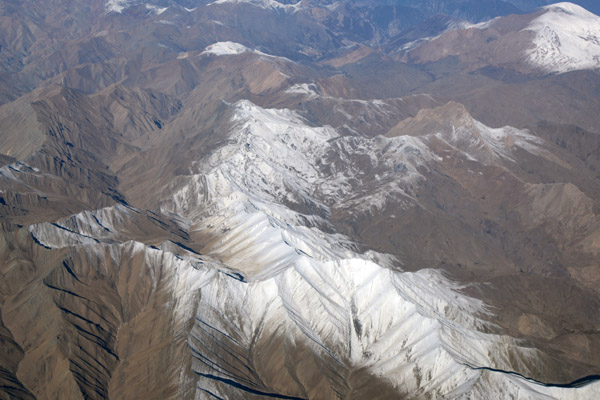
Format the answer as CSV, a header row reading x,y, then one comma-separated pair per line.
x,y
248,199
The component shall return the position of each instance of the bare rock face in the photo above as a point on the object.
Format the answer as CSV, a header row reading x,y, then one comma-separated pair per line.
x,y
251,199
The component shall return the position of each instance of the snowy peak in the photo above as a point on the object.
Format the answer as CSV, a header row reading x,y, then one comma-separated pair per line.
x,y
233,48
567,38
226,48
569,8
556,39
453,124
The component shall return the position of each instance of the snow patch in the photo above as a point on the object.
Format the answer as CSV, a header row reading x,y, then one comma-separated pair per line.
x,y
265,4
233,48
155,10
455,25
116,6
308,89
226,48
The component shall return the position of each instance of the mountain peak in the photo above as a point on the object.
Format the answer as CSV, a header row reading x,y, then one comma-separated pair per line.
x,y
226,48
442,119
568,7
567,38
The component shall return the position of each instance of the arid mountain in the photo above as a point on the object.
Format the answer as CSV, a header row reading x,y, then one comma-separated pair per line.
x,y
248,199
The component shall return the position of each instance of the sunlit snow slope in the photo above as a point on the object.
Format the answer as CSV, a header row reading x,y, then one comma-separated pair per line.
x,y
295,312
567,38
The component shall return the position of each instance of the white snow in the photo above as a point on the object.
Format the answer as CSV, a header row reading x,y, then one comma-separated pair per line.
x,y
233,48
567,38
266,4
308,89
105,225
116,5
226,48
156,10
453,26
490,145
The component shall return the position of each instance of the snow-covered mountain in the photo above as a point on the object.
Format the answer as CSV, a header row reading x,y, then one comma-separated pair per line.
x,y
567,38
273,284
558,38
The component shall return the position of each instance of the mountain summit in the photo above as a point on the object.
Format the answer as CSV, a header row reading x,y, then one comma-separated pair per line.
x,y
556,39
